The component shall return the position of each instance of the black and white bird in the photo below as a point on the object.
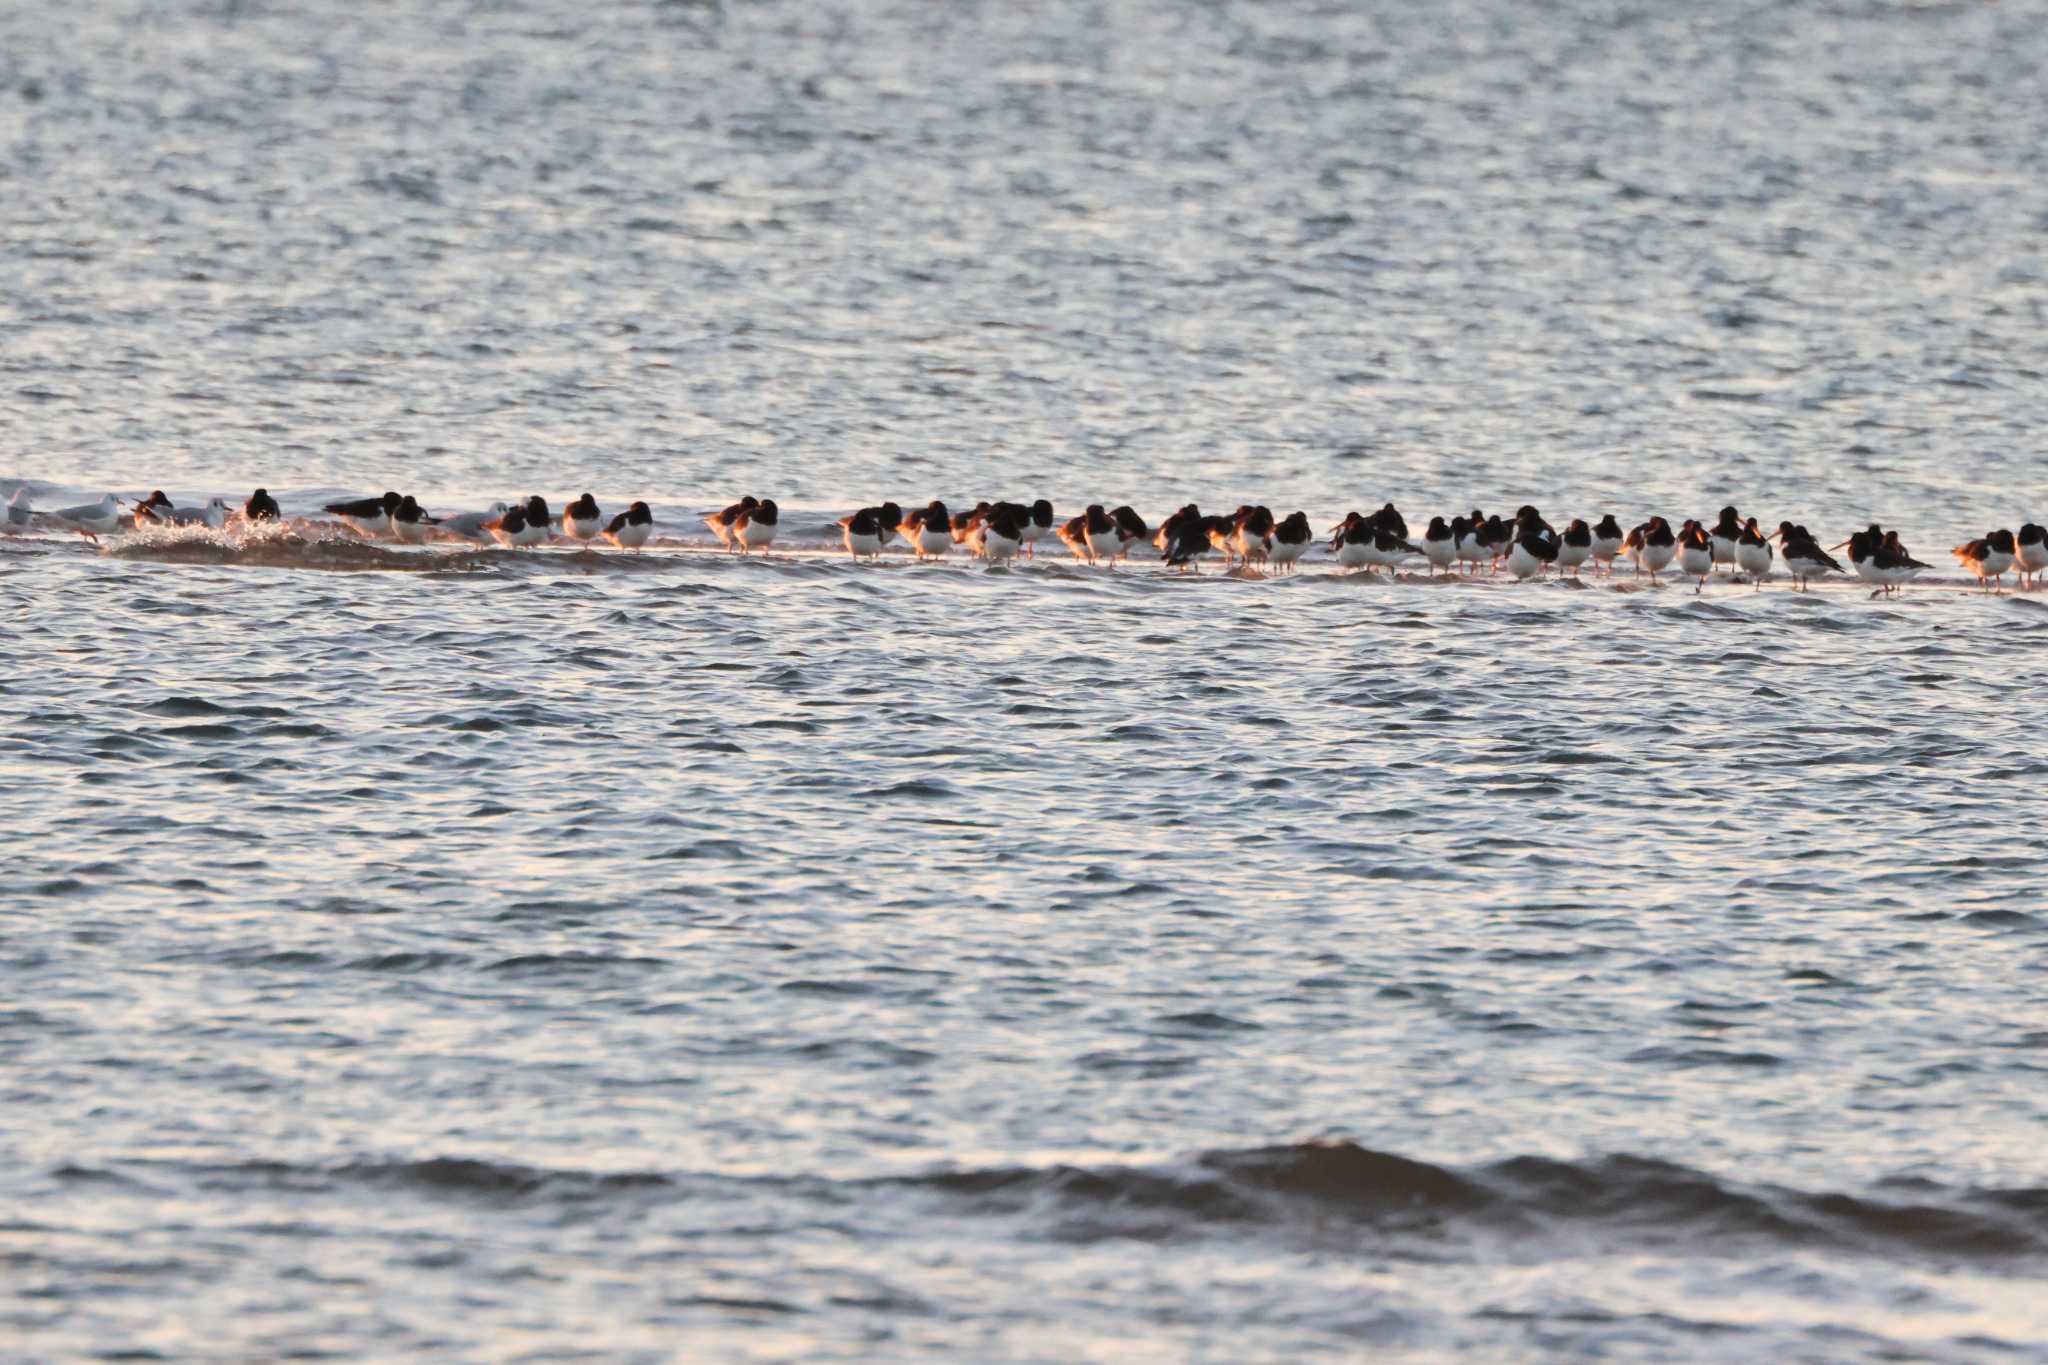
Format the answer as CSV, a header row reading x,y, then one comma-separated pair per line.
x,y
154,509
2030,553
630,529
509,528
1695,554
1533,546
1753,553
754,529
1252,535
1607,541
1652,546
1091,536
1037,527
721,522
1862,548
1183,538
1351,543
1468,537
928,530
1725,535
1292,536
1439,544
1001,534
880,522
862,533
410,522
1575,546
1131,530
581,519
20,512
261,507
1988,558
1896,566
1804,558
370,516
964,523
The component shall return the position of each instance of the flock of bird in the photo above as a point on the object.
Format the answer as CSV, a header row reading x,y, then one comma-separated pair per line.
x,y
1524,546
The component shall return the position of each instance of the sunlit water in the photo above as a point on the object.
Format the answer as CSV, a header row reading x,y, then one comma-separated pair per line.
x,y
481,954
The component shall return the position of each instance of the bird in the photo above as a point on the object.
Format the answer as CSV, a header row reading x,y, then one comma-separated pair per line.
x,y
1695,554
1534,549
581,519
754,529
1183,538
1002,533
721,522
1291,539
19,512
261,507
1091,535
538,518
517,529
370,516
1469,538
928,530
1575,546
630,529
1386,548
1804,558
154,508
1251,535
410,522
1130,529
1862,547
213,516
475,525
1494,537
1988,558
963,524
1895,566
1725,536
1351,543
91,520
1439,543
1037,527
1753,553
863,532
2030,553
1607,539
1105,540
1652,546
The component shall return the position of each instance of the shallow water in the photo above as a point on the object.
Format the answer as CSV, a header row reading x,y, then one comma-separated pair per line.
x,y
552,954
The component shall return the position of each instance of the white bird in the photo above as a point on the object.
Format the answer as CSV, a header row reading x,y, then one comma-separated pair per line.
x,y
213,516
19,510
92,520
471,525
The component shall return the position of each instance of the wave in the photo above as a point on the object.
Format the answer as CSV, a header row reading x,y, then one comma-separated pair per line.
x,y
1635,1199
1325,1193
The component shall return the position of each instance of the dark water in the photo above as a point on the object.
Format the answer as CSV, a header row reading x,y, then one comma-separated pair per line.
x,y
548,955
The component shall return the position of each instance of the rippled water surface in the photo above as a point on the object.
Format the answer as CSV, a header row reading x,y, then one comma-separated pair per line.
x,y
464,954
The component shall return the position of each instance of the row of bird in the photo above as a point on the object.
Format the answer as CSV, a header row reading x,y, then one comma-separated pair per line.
x,y
1525,545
